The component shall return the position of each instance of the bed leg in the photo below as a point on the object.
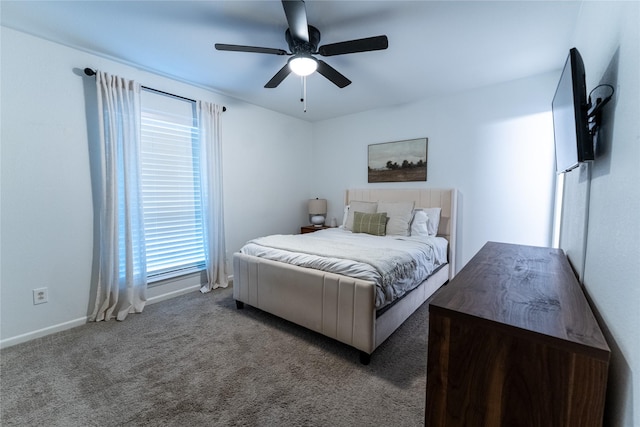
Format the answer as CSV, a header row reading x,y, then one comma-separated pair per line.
x,y
365,358
239,305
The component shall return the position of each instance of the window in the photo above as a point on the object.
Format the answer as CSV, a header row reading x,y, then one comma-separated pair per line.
x,y
172,207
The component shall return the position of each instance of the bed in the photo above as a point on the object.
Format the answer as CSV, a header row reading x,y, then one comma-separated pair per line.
x,y
340,306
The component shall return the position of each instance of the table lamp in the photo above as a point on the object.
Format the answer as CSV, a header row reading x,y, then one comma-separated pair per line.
x,y
317,211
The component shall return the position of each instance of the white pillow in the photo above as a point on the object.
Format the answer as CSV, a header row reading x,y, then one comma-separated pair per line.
x,y
434,220
344,216
357,206
419,225
399,216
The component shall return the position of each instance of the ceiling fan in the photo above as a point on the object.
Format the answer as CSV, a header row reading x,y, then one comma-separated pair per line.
x,y
303,40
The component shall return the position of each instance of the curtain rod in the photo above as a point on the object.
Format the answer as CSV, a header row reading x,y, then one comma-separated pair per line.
x,y
92,72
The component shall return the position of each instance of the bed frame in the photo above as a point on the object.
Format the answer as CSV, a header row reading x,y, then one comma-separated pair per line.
x,y
337,306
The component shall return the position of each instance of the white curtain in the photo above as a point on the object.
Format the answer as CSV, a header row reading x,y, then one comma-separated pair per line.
x,y
211,190
122,278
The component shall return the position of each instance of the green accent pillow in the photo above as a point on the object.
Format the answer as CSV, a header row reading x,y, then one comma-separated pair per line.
x,y
370,223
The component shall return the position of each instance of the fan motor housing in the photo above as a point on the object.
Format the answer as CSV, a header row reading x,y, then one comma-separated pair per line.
x,y
297,45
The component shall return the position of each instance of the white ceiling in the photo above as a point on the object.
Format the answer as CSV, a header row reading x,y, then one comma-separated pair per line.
x,y
435,47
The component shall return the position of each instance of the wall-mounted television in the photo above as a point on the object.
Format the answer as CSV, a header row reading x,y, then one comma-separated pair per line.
x,y
573,141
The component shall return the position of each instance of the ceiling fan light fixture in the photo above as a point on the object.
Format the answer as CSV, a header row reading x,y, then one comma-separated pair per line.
x,y
303,64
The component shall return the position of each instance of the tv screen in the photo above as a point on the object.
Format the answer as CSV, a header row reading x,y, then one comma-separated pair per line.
x,y
570,123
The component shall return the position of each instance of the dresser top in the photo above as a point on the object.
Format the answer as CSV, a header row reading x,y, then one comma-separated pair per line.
x,y
524,289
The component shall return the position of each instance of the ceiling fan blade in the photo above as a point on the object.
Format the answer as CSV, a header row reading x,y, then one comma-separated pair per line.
x,y
354,46
296,13
332,74
253,49
279,77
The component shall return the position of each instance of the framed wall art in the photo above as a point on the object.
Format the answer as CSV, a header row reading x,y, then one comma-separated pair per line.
x,y
399,161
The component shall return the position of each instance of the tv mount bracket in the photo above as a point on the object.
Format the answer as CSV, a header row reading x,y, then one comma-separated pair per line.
x,y
594,112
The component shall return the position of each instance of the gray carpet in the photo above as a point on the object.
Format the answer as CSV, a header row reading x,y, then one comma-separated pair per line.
x,y
197,360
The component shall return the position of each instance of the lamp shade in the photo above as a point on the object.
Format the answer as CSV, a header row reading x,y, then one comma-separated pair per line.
x,y
317,206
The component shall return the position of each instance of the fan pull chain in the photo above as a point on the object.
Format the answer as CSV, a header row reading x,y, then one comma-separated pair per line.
x,y
303,97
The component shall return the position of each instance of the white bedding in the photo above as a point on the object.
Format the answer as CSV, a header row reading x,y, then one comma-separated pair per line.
x,y
395,264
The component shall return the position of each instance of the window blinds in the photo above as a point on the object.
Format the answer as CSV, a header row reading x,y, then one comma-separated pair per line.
x,y
171,186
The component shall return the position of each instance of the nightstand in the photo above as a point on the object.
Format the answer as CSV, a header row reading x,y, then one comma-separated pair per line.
x,y
311,228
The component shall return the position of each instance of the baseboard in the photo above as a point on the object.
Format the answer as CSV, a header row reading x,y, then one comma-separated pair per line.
x,y
172,294
18,339
49,330
8,342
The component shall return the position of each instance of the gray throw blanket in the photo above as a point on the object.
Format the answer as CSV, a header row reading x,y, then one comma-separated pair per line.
x,y
392,264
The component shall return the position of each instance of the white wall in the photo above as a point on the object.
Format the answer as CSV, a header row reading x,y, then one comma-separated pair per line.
x,y
495,145
47,216
608,38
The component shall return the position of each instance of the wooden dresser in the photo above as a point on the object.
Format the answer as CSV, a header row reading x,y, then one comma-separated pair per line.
x,y
513,342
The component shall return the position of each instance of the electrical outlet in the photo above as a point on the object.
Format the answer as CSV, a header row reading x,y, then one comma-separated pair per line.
x,y
40,296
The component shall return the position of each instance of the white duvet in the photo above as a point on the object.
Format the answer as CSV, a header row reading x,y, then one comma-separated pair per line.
x,y
395,264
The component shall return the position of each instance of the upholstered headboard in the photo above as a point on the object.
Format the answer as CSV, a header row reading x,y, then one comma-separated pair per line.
x,y
446,199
